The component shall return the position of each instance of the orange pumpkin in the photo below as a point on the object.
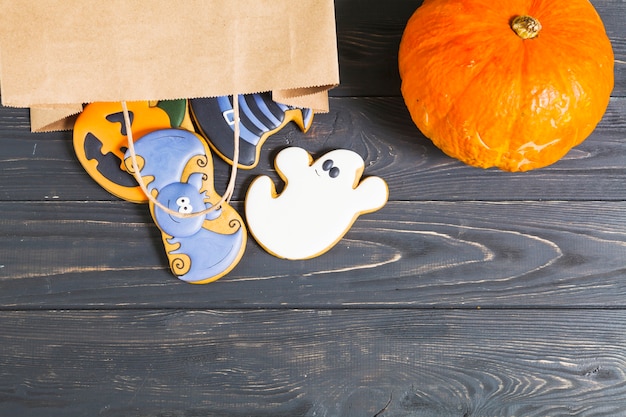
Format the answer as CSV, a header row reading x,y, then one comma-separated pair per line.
x,y
513,84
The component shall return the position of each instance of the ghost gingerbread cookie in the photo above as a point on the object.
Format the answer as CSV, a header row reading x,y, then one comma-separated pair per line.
x,y
319,203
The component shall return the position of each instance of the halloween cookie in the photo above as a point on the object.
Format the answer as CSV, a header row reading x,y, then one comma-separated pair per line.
x,y
100,139
177,168
260,118
318,205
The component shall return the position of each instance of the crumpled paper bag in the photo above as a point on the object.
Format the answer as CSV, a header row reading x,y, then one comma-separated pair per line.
x,y
56,55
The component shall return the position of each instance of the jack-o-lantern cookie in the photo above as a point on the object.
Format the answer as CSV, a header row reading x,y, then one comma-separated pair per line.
x,y
321,200
260,118
100,139
177,169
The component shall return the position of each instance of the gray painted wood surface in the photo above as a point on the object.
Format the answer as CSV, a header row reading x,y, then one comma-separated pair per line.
x,y
471,293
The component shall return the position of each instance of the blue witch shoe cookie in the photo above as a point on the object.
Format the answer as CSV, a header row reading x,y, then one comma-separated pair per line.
x,y
177,168
260,117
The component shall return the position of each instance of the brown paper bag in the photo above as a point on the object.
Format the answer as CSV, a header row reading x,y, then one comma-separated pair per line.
x,y
56,55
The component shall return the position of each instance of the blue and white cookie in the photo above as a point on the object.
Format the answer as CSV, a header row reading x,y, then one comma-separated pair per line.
x,y
177,168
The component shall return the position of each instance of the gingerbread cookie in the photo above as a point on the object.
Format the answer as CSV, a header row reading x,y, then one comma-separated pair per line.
x,y
177,168
318,205
260,118
100,139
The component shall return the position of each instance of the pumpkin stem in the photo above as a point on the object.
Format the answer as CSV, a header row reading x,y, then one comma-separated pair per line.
x,y
526,27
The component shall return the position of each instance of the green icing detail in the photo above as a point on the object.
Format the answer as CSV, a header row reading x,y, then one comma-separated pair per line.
x,y
175,109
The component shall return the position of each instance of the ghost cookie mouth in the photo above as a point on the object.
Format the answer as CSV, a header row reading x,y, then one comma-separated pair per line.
x,y
172,218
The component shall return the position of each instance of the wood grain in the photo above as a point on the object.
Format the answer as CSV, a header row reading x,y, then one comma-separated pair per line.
x,y
419,254
471,293
294,363
44,166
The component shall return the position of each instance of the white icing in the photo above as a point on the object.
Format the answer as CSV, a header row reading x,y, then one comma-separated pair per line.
x,y
315,210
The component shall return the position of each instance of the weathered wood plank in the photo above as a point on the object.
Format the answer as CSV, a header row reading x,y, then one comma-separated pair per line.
x,y
313,363
369,33
386,324
444,254
43,166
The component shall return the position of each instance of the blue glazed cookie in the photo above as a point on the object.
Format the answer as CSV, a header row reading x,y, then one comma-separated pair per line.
x,y
177,168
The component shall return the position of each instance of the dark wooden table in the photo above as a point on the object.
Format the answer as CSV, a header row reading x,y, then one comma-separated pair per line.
x,y
471,293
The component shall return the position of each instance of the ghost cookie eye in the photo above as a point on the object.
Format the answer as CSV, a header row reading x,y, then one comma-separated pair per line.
x,y
184,205
333,171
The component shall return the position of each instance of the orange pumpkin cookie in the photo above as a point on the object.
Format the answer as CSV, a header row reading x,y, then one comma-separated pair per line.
x,y
100,139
